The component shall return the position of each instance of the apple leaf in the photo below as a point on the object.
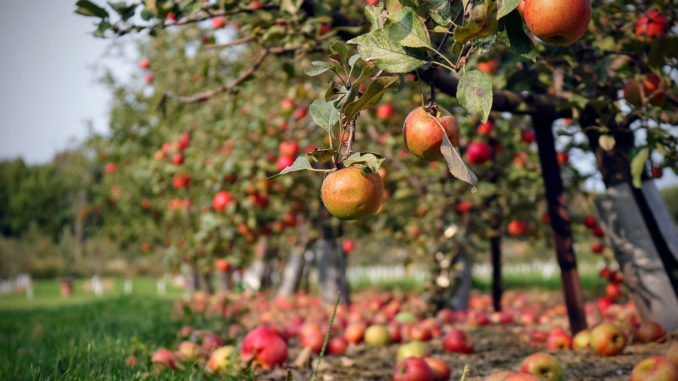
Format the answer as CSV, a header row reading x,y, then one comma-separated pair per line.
x,y
484,23
291,6
408,29
638,165
388,55
300,164
372,94
340,48
373,15
504,7
474,93
324,114
89,9
512,34
606,142
440,12
370,160
455,164
321,155
317,68
365,73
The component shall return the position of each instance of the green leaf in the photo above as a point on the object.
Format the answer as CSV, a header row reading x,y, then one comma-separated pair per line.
x,y
368,159
483,23
300,164
122,9
408,29
89,9
354,58
291,6
474,93
364,74
455,164
317,68
512,34
373,15
504,7
388,55
372,95
440,12
319,155
638,166
324,114
341,49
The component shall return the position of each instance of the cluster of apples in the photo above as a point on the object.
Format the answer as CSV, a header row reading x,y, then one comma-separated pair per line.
x,y
145,64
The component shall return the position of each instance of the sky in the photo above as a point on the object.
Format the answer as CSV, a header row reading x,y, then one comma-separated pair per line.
x,y
49,91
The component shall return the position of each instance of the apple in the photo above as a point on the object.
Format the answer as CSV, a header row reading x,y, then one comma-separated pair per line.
x,y
412,349
164,358
654,368
520,377
484,128
221,200
563,158
384,111
543,366
582,340
489,67
498,376
348,246
287,105
352,193
651,25
149,78
558,22
672,353
184,141
288,148
324,29
463,207
649,331
111,167
313,339
187,350
218,23
394,331
657,171
478,152
264,346
457,341
300,113
559,340
423,133
284,162
222,265
211,342
412,369
617,277
181,180
441,371
598,231
590,221
516,228
607,339
527,136
613,291
220,359
377,336
521,8
650,85
405,317
337,346
145,63
597,247
372,2
354,332
420,333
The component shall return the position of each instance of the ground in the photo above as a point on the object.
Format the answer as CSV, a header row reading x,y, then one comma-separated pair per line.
x,y
86,337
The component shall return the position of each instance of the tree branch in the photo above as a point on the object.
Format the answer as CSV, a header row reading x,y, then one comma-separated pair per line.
x,y
231,43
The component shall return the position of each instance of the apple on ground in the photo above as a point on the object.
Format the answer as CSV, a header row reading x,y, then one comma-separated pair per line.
x,y
457,341
559,340
337,346
412,349
582,340
313,339
498,376
187,350
543,366
164,358
377,336
412,369
441,371
354,332
264,346
654,368
607,339
649,331
220,359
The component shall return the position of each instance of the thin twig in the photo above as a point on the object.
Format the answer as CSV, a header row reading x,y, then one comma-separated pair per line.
x,y
351,136
231,43
327,336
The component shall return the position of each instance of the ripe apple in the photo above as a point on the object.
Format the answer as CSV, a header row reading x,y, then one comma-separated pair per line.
x,y
498,376
220,359
484,128
222,265
420,333
412,369
654,368
613,291
352,193
559,340
377,336
597,247
149,78
187,350
651,25
463,207
423,134
337,346
111,167
324,29
649,331
263,345
412,349
184,141
582,340
289,148
211,342
164,358
284,162
598,232
478,152
457,341
287,105
218,23
145,63
441,371
657,171
300,113
590,221
372,2
146,203
650,85
516,228
543,366
354,332
384,111
607,339
527,136
672,353
563,158
489,67
181,180
348,246
405,317
312,338
558,22
521,8
520,377
221,200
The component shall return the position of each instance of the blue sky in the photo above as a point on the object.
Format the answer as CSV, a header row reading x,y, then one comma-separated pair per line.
x,y
48,81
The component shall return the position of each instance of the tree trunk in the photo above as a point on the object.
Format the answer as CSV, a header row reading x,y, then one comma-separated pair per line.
x,y
224,281
194,280
560,224
497,286
331,261
78,228
294,269
462,290
205,281
258,277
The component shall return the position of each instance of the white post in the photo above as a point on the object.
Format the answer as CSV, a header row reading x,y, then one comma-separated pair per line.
x,y
127,288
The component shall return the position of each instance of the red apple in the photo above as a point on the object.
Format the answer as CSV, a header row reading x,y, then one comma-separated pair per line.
x,y
420,333
489,67
484,128
651,25
145,63
478,152
337,346
558,22
607,339
284,162
499,376
598,231
263,345
164,358
187,350
649,331
211,342
412,349
657,171
313,339
655,368
184,141
149,78
457,341
590,221
300,113
597,247
563,158
218,23
463,207
423,133
348,246
289,149
543,366
441,371
613,291
516,228
582,340
412,369
559,340
181,180
287,105
354,332
111,167
220,359
221,200
384,111
527,136
222,265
